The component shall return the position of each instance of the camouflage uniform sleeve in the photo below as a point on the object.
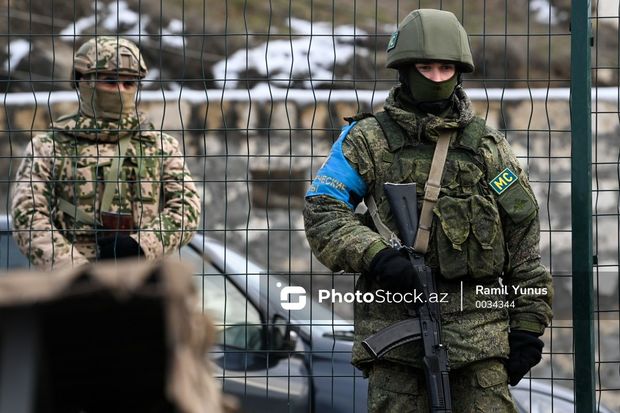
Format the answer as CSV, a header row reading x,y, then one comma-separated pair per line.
x,y
336,235
176,222
529,283
31,210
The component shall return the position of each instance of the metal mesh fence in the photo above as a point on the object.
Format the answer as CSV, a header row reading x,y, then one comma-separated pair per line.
x,y
605,215
255,92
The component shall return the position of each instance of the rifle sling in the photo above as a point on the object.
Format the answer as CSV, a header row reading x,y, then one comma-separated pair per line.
x,y
383,229
431,194
73,211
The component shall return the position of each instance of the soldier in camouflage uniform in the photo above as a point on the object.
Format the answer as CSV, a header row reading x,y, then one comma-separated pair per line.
x,y
478,233
103,183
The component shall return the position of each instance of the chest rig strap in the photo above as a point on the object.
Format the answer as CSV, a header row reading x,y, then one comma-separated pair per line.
x,y
111,180
431,192
432,188
112,177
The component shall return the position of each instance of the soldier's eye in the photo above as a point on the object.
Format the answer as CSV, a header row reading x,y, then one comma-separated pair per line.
x,y
110,81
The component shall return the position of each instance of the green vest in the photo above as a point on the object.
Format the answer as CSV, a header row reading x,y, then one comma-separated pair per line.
x,y
466,246
81,174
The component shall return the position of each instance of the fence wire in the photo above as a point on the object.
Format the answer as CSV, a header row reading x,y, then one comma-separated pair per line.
x,y
606,206
256,92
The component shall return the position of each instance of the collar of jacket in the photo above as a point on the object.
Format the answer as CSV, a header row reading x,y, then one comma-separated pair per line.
x,y
424,127
102,130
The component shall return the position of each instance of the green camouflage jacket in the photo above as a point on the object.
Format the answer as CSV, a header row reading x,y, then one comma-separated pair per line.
x,y
480,233
71,161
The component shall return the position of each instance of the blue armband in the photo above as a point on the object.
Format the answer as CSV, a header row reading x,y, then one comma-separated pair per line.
x,y
337,178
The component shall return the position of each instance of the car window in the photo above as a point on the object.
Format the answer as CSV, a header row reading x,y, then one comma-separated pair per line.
x,y
237,320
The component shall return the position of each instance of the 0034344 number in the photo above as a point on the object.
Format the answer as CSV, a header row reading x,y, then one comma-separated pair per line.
x,y
495,304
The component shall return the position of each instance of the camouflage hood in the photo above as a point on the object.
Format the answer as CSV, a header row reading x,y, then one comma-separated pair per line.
x,y
426,127
101,130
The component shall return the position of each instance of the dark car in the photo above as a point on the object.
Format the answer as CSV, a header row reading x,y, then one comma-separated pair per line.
x,y
275,358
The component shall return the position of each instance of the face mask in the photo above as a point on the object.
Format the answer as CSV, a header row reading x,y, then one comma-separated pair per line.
x,y
103,104
425,90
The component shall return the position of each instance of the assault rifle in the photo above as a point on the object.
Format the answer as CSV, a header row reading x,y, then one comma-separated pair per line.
x,y
424,322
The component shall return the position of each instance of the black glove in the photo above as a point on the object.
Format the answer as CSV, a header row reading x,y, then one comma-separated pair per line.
x,y
393,271
121,246
525,353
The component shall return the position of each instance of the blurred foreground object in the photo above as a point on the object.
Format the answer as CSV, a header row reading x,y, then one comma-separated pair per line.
x,y
105,338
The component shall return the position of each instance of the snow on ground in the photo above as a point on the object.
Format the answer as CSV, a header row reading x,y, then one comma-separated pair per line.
x,y
17,50
76,28
608,11
545,12
311,53
169,34
117,17
120,15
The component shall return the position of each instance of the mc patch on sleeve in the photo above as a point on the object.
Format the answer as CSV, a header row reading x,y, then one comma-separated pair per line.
x,y
503,181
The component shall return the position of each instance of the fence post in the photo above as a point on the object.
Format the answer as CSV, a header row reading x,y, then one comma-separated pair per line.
x,y
581,204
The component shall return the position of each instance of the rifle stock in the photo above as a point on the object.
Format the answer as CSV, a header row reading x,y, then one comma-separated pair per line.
x,y
404,207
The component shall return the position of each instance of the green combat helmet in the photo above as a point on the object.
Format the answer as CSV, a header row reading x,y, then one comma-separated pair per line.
x,y
430,35
109,54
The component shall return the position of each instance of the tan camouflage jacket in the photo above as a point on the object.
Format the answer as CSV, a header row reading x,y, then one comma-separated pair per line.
x,y
477,236
71,161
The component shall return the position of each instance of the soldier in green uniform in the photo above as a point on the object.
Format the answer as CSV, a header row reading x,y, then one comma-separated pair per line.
x,y
484,233
103,183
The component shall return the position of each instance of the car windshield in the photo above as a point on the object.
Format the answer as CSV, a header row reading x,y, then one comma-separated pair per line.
x,y
263,287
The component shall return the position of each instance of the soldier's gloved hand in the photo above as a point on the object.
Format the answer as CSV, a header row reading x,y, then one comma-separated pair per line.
x,y
525,353
393,271
121,246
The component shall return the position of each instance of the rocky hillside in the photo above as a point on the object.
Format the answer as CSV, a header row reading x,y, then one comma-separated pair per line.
x,y
201,44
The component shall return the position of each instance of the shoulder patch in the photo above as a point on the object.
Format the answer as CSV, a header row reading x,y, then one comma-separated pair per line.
x,y
503,181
